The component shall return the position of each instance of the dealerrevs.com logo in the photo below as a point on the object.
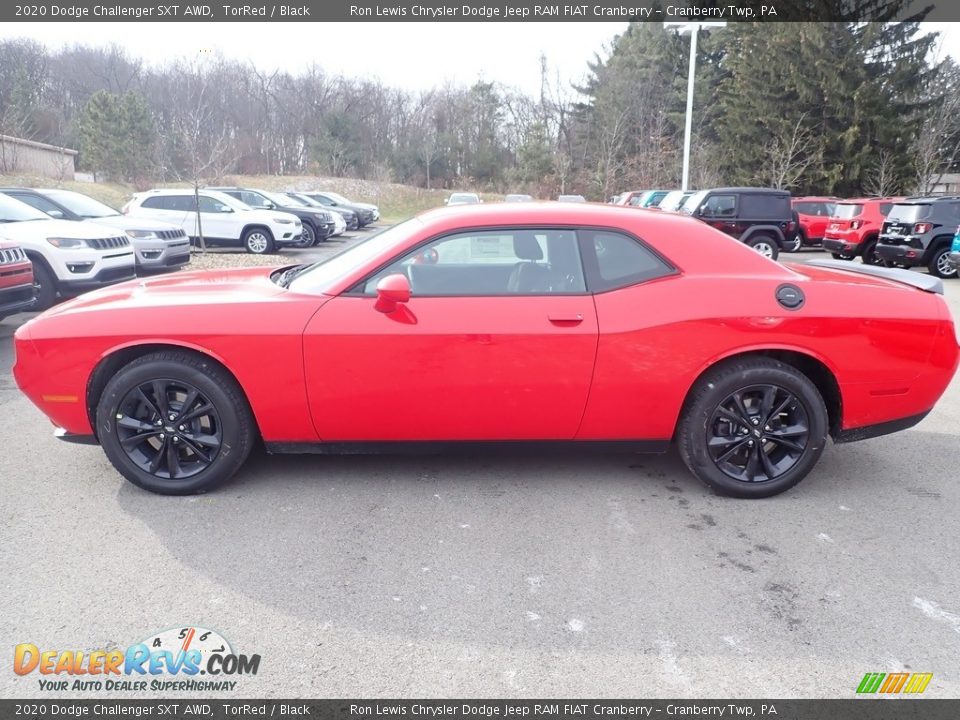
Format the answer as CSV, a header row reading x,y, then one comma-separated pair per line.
x,y
189,658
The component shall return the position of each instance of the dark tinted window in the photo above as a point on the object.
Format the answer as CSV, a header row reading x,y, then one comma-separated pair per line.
x,y
720,206
620,260
765,207
908,213
40,203
885,208
159,202
820,209
209,205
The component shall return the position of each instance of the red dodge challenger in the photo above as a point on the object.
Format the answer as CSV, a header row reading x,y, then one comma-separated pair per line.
x,y
530,322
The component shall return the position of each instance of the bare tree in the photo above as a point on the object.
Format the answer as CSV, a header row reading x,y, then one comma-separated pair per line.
x,y
937,146
882,179
788,156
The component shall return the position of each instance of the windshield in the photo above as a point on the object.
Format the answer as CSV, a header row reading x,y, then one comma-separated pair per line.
x,y
85,207
908,213
845,211
463,197
337,198
307,201
15,211
693,202
673,200
320,276
278,199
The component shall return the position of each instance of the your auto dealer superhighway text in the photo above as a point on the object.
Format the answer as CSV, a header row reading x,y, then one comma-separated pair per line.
x,y
509,11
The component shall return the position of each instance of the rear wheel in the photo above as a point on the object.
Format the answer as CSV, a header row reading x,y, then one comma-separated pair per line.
x,y
175,423
940,264
795,243
258,241
765,245
869,254
753,428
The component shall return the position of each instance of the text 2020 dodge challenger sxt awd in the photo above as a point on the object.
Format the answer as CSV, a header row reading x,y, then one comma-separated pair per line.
x,y
527,322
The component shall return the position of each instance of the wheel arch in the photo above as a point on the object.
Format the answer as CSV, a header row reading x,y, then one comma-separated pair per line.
x,y
116,358
813,367
938,242
773,230
256,226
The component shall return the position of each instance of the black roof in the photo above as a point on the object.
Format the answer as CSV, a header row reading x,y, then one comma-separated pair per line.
x,y
755,190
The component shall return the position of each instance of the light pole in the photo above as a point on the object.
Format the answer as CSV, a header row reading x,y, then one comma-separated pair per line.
x,y
693,28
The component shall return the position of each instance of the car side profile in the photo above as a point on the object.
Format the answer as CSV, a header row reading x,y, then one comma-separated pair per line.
x,y
16,280
761,218
317,223
222,219
813,216
533,322
157,245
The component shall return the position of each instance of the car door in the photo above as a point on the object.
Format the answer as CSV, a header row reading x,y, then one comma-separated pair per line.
x,y
720,212
219,221
173,209
497,342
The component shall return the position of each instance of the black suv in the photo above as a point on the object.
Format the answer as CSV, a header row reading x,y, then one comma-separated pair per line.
x,y
759,217
318,223
919,231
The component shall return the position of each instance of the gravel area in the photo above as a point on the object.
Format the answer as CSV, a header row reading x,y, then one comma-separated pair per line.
x,y
219,258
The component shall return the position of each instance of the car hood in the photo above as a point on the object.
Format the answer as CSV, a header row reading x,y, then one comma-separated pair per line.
x,y
197,288
32,230
131,222
365,206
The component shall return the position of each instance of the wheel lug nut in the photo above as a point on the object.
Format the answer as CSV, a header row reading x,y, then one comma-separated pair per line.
x,y
182,428
162,436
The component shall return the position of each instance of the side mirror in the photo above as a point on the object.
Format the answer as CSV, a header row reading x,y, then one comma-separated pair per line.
x,y
446,200
56,214
393,290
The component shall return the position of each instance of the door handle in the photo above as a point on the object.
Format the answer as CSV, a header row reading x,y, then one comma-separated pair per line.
x,y
565,319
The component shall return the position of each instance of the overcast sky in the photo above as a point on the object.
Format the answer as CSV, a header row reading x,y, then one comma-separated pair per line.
x,y
409,55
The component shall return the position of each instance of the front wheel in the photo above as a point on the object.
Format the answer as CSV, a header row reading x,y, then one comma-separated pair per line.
x,y
308,238
175,423
940,264
753,428
258,241
44,287
765,245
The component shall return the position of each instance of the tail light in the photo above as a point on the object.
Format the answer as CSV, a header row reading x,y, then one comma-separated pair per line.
x,y
856,224
922,228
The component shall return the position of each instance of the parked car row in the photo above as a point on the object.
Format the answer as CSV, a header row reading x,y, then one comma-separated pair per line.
x,y
891,231
59,243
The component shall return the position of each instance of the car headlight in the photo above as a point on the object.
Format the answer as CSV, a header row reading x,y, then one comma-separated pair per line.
x,y
67,243
142,234
284,221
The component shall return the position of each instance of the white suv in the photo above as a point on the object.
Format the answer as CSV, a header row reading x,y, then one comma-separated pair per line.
x,y
224,220
68,257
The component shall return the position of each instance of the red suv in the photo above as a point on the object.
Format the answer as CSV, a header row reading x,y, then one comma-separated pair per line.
x,y
812,216
855,226
16,280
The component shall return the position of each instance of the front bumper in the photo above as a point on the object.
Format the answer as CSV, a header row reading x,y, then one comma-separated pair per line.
x,y
19,298
103,277
160,255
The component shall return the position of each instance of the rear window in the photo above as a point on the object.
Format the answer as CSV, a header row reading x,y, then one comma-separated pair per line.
x,y
845,211
885,208
765,207
908,213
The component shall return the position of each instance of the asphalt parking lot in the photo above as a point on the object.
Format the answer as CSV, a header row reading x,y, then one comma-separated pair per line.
x,y
496,575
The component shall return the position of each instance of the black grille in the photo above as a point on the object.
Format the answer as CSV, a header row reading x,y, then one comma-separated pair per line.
x,y
170,234
107,243
8,256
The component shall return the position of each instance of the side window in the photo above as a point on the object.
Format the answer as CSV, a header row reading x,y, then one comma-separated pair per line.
x,y
499,262
157,202
720,206
635,200
252,199
209,205
620,260
885,208
764,207
41,204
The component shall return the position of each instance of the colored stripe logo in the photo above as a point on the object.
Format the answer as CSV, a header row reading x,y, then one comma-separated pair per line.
x,y
892,683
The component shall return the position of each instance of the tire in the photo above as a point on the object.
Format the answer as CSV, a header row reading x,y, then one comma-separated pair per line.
x,y
794,244
841,256
45,286
765,245
869,253
167,460
940,266
258,241
308,237
791,440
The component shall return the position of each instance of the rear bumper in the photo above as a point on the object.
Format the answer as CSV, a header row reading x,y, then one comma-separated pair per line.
x,y
835,245
75,439
903,254
883,428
